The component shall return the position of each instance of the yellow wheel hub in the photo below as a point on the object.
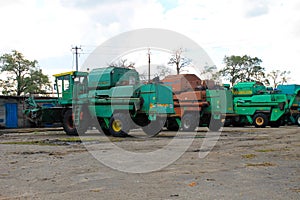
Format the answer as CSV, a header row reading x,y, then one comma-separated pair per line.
x,y
259,121
117,125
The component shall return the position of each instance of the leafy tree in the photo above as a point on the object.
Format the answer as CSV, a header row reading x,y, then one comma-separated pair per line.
x,y
277,77
23,76
179,60
242,68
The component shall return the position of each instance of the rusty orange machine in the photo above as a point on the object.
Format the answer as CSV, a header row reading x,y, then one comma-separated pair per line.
x,y
189,96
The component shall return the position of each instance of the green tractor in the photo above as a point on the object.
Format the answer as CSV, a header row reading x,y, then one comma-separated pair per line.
x,y
255,105
293,94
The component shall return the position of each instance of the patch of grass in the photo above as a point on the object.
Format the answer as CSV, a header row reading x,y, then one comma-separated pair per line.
x,y
200,136
265,150
295,189
271,150
74,139
30,143
265,164
61,141
248,156
116,139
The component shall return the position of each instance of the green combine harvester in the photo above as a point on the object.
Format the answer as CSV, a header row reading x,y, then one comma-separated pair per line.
x,y
293,94
111,99
255,105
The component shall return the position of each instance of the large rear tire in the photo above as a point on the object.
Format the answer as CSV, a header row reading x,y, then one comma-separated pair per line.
x,y
276,124
298,120
215,124
84,120
154,127
102,127
189,122
260,120
172,125
68,123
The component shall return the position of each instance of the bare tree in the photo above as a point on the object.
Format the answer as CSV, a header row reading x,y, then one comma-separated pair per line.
x,y
162,71
277,77
179,60
122,63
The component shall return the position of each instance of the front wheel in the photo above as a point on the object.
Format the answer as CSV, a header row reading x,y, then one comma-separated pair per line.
x,y
119,125
260,120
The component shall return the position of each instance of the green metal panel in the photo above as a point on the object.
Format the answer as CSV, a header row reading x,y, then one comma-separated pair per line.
x,y
157,99
248,89
220,101
104,78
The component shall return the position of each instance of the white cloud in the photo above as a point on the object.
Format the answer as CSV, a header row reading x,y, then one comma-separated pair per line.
x,y
46,29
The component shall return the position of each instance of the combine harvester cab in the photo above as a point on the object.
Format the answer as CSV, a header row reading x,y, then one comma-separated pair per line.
x,y
119,102
255,105
57,110
293,94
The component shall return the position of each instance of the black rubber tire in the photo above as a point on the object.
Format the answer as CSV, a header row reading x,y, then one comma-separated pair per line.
x,y
119,125
298,120
85,120
215,125
101,127
172,125
275,124
236,122
189,122
106,131
154,127
68,123
260,120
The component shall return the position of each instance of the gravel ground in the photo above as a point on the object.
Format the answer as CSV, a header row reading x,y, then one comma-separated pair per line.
x,y
245,163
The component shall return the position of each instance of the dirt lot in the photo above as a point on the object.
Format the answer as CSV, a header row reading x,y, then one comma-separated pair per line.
x,y
245,163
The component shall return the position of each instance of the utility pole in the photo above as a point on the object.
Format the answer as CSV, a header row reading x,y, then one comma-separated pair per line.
x,y
149,61
76,55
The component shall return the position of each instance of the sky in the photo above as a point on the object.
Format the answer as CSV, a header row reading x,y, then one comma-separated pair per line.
x,y
46,30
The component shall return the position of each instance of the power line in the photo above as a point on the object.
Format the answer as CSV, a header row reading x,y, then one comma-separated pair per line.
x,y
76,55
149,61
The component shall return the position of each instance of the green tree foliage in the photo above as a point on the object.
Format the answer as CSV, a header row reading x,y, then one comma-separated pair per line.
x,y
242,68
277,77
179,61
22,76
